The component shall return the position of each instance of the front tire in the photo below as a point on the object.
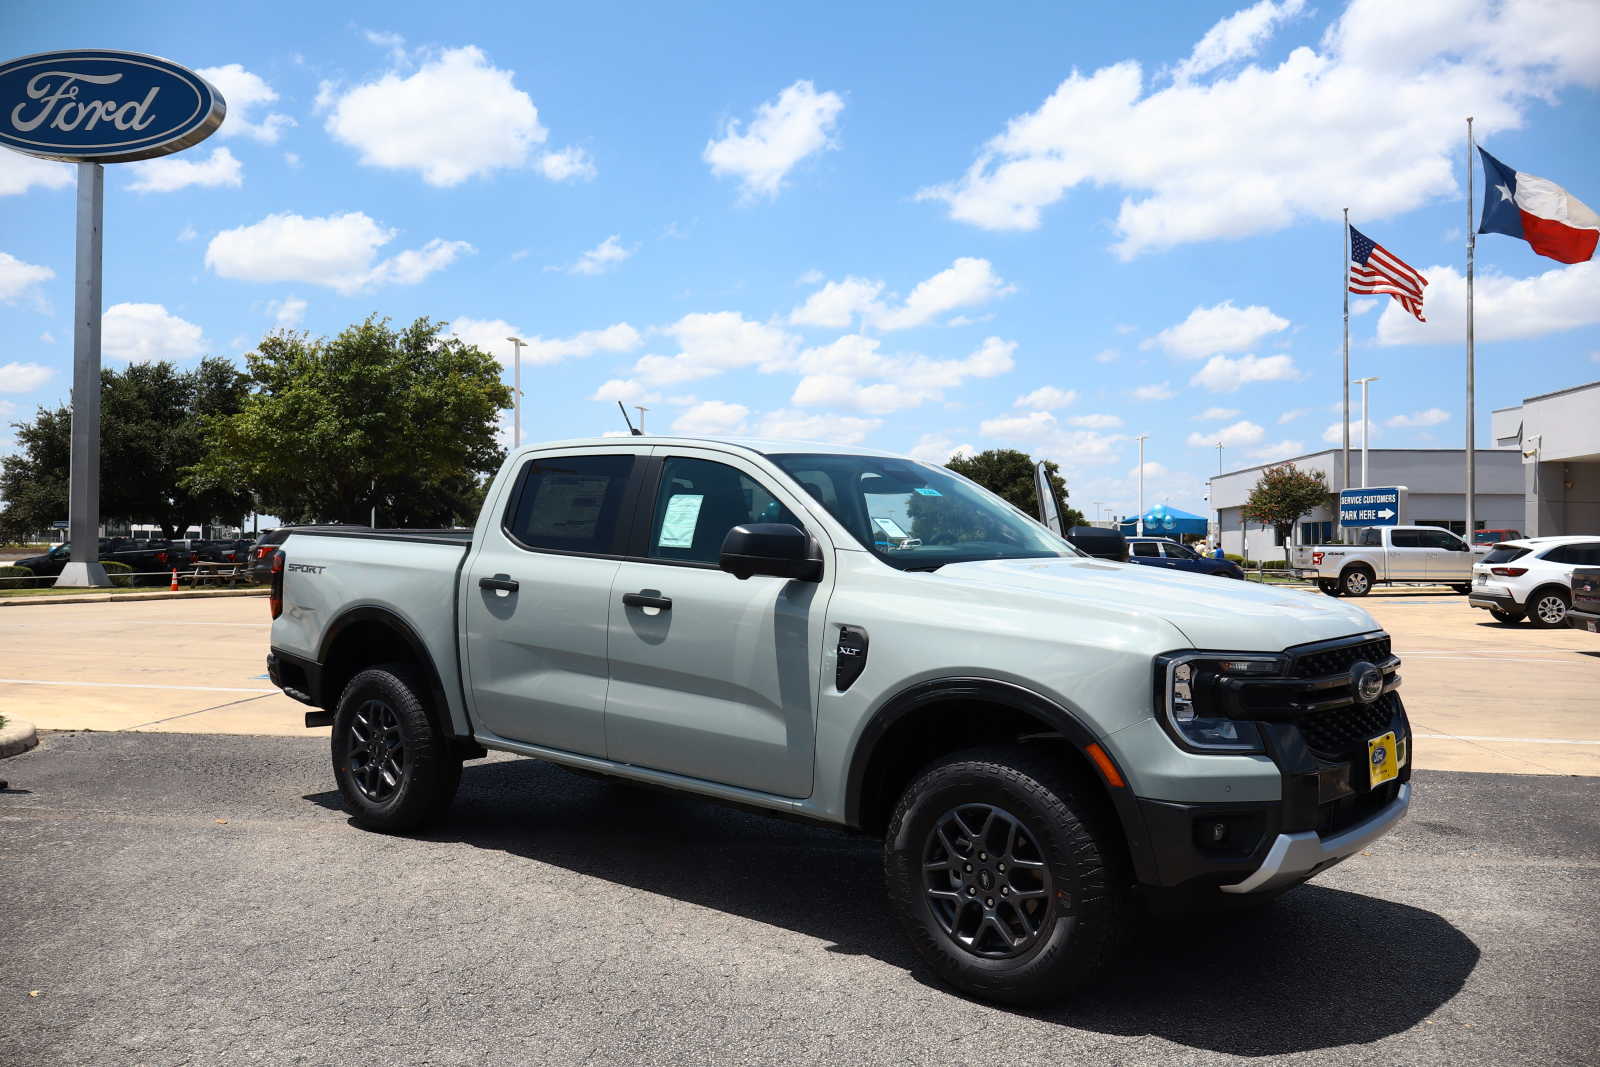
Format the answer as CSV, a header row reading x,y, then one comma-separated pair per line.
x,y
1328,586
1463,588
1006,875
1357,581
394,770
1547,608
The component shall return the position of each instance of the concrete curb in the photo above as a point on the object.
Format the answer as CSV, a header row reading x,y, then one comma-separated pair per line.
x,y
17,736
106,598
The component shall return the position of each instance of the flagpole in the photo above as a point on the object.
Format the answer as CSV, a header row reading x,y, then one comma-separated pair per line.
x,y
1344,283
1472,246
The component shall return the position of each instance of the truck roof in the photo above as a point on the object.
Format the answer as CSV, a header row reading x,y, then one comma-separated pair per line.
x,y
761,446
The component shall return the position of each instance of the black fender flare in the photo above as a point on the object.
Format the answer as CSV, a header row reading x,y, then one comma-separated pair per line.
x,y
413,641
1007,694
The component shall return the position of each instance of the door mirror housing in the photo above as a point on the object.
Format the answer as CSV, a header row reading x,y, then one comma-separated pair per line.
x,y
776,548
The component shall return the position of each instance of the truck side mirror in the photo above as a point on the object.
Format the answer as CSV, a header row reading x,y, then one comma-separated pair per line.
x,y
775,548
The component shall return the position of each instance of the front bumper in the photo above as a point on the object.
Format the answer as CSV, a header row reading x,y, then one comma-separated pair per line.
x,y
1295,857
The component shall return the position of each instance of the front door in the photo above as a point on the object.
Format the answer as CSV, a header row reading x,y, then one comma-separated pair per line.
x,y
536,600
713,677
1449,560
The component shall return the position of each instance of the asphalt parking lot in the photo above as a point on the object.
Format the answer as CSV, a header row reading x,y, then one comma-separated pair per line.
x,y
176,891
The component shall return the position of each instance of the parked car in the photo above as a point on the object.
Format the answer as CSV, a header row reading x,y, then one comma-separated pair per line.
x,y
1384,555
1492,537
261,553
1033,733
141,557
1532,578
1585,611
1164,552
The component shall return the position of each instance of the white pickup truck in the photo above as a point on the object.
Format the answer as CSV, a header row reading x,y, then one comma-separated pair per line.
x,y
1385,555
865,640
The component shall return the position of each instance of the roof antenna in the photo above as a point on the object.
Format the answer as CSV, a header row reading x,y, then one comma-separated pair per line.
x,y
631,429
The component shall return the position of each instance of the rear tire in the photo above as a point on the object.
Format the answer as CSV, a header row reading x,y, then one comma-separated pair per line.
x,y
1007,874
1505,618
1356,581
1547,608
394,770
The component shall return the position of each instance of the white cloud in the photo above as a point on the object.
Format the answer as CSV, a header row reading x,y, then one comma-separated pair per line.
x,y
710,343
809,426
1238,36
837,304
140,332
1418,419
1152,469
1288,142
20,280
1332,437
1243,432
712,417
1095,422
1504,308
799,122
833,375
246,93
456,117
1224,375
168,174
19,173
337,251
602,257
1292,414
1047,398
1220,328
188,233
567,164
394,43
288,313
622,389
968,282
1271,453
1217,413
489,335
23,377
1044,434
936,448
1154,391
1107,355
49,338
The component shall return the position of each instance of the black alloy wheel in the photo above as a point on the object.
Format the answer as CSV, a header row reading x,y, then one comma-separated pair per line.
x,y
377,750
986,881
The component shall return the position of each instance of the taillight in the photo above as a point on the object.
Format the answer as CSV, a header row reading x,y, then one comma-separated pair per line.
x,y
275,598
1509,572
1316,559
161,558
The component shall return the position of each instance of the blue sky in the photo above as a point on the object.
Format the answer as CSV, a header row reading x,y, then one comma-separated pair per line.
x,y
918,227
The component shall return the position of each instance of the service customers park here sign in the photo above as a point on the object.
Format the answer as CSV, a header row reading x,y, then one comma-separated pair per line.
x,y
100,106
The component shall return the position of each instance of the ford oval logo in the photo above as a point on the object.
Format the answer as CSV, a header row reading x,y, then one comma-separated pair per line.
x,y
98,106
1366,681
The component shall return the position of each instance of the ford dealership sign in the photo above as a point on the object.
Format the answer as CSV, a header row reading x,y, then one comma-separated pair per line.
x,y
99,106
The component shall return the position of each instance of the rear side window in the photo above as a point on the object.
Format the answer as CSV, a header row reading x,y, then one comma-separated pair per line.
x,y
1371,538
1145,548
570,503
1405,539
1504,554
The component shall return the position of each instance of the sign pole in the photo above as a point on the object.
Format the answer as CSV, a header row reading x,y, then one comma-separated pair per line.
x,y
83,506
1344,431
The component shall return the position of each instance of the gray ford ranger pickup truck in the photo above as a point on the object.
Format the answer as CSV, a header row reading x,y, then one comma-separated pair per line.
x,y
1041,739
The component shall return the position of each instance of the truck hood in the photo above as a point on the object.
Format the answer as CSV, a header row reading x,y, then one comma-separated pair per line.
x,y
1212,612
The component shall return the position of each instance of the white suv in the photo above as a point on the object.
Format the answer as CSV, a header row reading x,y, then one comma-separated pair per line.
x,y
1531,578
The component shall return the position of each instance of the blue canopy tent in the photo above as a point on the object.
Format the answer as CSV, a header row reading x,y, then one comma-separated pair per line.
x,y
1163,520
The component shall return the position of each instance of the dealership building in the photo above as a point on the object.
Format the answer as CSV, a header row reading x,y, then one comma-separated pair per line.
x,y
1541,478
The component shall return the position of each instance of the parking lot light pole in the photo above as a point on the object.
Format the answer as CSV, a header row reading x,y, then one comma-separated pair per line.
x,y
1140,522
516,392
1365,432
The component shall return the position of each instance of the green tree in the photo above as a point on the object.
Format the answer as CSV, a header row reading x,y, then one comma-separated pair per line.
x,y
1008,474
399,420
151,420
1281,495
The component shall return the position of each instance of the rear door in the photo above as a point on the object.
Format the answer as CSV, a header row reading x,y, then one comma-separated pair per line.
x,y
536,598
713,677
1407,558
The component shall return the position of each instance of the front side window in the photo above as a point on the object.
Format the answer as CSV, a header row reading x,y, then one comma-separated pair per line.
x,y
698,502
1440,539
919,517
570,503
1177,551
1581,555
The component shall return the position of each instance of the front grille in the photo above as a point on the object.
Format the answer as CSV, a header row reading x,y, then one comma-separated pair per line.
x,y
1337,731
1316,662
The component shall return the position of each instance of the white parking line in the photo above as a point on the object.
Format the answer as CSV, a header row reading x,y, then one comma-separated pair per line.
x,y
1518,740
135,685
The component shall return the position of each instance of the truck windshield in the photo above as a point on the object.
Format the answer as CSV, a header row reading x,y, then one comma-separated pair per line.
x,y
919,517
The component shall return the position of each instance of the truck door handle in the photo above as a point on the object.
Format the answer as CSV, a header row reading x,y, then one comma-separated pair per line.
x,y
503,582
647,600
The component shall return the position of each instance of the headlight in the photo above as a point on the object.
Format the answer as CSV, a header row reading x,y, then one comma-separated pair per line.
x,y
1188,699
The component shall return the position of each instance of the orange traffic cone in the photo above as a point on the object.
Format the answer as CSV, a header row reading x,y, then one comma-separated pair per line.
x,y
174,586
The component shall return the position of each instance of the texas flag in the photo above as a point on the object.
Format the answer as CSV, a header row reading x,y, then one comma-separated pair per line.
x,y
1552,220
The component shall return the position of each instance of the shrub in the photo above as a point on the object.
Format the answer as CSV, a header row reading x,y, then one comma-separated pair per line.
x,y
119,573
12,577
1273,564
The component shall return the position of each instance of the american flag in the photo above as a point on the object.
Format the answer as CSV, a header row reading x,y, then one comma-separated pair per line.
x,y
1374,270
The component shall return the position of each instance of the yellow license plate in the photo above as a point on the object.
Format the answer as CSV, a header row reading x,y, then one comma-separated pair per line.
x,y
1383,759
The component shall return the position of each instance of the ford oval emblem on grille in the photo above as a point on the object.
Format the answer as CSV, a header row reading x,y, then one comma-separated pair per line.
x,y
1366,681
